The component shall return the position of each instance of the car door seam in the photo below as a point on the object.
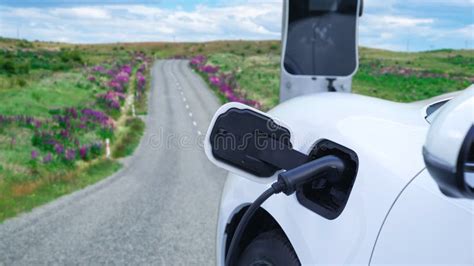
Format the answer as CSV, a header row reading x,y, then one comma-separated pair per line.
x,y
388,213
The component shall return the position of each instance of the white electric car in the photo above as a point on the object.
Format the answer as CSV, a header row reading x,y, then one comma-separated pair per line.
x,y
395,211
365,181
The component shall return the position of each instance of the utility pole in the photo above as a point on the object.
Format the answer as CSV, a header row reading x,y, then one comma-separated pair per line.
x,y
408,45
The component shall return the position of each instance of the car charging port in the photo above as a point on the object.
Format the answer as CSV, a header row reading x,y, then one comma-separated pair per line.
x,y
328,193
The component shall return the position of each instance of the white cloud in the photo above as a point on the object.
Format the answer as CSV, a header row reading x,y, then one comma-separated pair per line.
x,y
394,21
383,24
466,32
81,12
391,4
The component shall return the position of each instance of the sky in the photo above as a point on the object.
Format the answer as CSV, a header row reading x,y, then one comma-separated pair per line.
x,y
403,25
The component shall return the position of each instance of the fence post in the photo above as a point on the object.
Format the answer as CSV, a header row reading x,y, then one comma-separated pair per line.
x,y
107,148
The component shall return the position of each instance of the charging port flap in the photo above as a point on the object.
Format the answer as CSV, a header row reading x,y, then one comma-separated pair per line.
x,y
328,194
252,142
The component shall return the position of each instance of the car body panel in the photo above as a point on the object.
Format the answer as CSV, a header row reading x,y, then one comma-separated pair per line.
x,y
426,227
388,138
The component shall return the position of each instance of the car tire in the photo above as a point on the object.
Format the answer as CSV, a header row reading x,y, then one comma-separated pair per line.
x,y
269,248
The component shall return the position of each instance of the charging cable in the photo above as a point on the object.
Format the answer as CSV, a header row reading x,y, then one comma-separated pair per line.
x,y
288,182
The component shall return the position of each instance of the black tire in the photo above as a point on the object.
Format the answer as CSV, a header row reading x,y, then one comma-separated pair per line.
x,y
269,248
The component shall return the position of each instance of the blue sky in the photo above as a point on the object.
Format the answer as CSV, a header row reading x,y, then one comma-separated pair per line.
x,y
396,25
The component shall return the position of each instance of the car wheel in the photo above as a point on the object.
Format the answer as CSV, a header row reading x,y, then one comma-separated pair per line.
x,y
269,248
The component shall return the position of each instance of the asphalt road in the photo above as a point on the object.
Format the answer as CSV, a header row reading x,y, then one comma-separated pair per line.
x,y
161,209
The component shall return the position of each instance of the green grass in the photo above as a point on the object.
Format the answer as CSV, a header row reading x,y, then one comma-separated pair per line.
x,y
141,105
57,91
22,61
17,197
430,74
128,138
404,89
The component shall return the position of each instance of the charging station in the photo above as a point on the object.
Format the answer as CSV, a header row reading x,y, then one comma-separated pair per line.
x,y
320,46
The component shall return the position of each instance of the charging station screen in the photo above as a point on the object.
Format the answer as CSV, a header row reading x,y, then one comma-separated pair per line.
x,y
321,38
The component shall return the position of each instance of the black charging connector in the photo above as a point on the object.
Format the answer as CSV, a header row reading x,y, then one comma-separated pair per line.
x,y
288,182
305,173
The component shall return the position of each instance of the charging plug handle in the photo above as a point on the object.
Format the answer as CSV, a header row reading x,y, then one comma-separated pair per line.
x,y
287,183
300,175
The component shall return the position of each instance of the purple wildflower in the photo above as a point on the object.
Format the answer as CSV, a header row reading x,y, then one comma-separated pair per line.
x,y
98,69
214,80
65,134
209,69
70,154
37,124
34,155
127,69
48,158
112,99
198,60
141,82
122,77
111,72
115,85
97,117
83,152
114,104
59,149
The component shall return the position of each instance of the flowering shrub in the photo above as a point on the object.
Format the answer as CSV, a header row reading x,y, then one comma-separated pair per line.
x,y
214,80
111,99
198,60
60,137
209,69
225,83
116,81
127,69
141,80
72,134
94,117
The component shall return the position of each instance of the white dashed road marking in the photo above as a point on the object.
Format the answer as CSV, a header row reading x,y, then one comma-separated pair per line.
x,y
178,86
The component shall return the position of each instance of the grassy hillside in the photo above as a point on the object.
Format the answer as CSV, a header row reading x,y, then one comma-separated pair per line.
x,y
395,76
58,105
45,88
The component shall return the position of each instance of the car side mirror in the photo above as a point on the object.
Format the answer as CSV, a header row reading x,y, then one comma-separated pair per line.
x,y
449,148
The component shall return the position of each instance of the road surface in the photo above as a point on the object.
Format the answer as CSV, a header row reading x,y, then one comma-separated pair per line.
x,y
160,209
